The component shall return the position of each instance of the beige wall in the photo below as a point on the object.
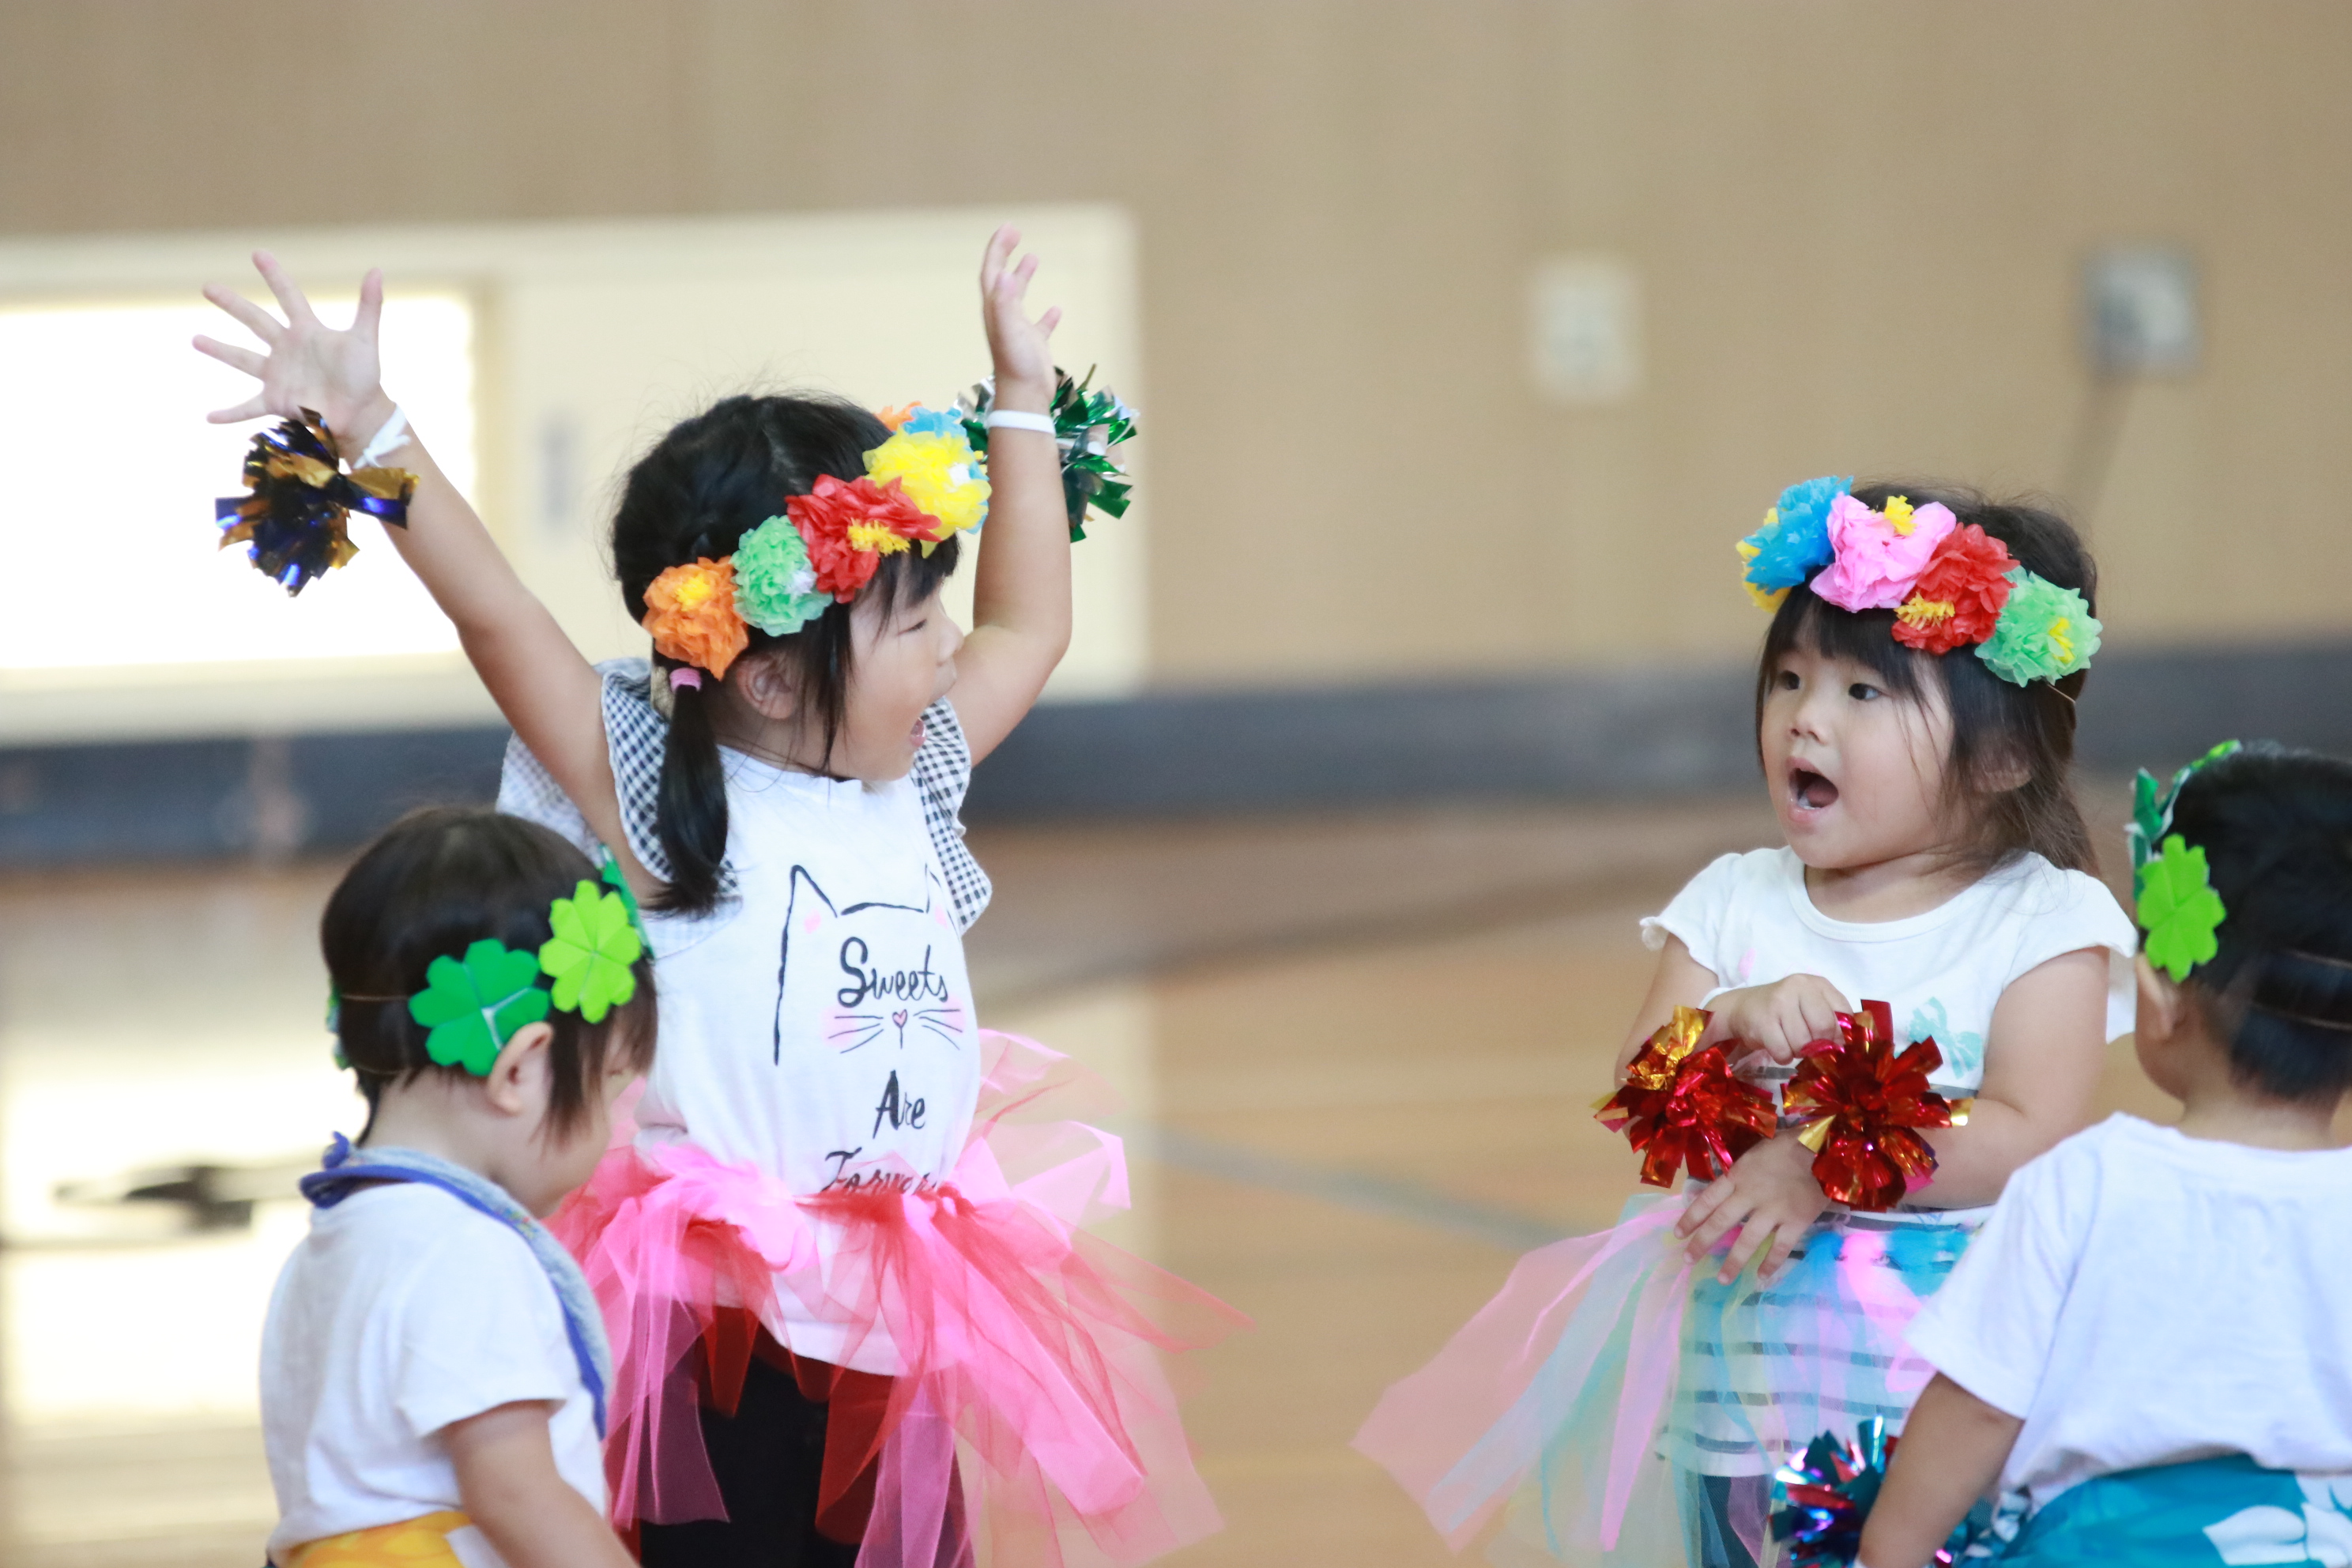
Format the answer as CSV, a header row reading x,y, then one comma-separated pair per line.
x,y
1857,225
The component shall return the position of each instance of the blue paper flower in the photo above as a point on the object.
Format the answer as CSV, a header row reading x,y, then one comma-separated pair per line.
x,y
1794,542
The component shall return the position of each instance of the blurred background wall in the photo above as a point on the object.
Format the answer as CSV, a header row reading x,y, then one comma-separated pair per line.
x,y
1814,235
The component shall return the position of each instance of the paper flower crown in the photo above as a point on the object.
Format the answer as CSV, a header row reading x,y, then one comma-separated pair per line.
x,y
1950,585
474,1004
2172,886
923,486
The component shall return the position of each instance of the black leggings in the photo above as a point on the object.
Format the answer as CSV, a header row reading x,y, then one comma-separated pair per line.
x,y
768,1458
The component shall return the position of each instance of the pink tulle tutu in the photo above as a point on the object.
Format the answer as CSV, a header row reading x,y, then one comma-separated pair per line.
x,y
1026,1353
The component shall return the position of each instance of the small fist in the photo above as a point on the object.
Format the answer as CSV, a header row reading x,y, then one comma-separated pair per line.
x,y
1779,1019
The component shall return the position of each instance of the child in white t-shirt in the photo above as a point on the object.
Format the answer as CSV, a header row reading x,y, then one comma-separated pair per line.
x,y
434,1368
1630,1394
2148,1351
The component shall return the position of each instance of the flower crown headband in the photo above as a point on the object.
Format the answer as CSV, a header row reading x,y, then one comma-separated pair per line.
x,y
473,1006
2172,886
1948,586
923,486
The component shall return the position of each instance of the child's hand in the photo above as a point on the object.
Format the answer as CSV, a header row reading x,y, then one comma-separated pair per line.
x,y
1024,364
1779,1019
309,364
1769,1196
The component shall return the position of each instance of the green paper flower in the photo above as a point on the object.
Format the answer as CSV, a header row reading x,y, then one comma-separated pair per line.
x,y
590,953
474,1007
2179,908
775,583
2044,633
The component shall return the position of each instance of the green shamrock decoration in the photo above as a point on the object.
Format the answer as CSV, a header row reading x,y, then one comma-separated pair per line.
x,y
2179,908
474,1006
590,953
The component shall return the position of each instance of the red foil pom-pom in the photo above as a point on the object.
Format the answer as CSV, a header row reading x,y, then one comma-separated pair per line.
x,y
1681,1108
1864,1102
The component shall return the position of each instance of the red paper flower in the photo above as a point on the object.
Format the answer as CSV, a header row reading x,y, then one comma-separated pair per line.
x,y
1681,1108
1866,1102
1960,594
849,526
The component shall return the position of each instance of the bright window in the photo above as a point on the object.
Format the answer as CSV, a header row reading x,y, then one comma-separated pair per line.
x,y
107,536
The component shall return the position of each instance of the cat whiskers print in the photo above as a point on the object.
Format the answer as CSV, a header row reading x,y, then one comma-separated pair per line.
x,y
851,1031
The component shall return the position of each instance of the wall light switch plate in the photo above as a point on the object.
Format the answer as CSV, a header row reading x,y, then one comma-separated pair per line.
x,y
1584,321
2139,309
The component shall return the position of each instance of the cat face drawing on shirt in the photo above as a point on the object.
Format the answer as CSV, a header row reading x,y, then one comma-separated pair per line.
x,y
869,1016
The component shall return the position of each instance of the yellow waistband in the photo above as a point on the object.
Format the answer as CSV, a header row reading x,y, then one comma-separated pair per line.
x,y
412,1543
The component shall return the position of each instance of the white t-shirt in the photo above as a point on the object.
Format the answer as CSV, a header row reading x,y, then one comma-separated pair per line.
x,y
1749,919
818,1024
2143,1298
401,1311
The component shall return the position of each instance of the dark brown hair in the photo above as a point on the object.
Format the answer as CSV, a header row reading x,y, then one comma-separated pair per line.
x,y
2276,829
1999,730
706,484
436,882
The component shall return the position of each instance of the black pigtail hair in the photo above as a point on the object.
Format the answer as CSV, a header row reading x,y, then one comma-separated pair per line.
x,y
691,813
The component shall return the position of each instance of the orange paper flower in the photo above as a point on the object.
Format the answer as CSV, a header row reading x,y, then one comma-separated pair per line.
x,y
849,527
691,611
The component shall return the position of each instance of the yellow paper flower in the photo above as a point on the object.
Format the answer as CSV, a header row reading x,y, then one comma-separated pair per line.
x,y
876,537
1917,611
691,611
939,471
1764,599
1898,515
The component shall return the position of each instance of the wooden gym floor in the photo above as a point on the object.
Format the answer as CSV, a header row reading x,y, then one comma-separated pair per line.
x,y
1357,1056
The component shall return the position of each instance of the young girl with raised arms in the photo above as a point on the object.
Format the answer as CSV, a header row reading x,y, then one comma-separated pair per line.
x,y
1915,718
2114,1417
854,1317
433,1370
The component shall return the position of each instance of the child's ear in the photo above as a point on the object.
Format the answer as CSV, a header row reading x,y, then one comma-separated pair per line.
x,y
765,682
2161,1003
521,1079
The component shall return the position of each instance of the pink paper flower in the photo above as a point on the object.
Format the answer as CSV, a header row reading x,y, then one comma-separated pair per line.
x,y
1879,554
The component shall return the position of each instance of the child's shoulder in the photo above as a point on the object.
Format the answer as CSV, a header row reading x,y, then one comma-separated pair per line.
x,y
2053,910
404,1235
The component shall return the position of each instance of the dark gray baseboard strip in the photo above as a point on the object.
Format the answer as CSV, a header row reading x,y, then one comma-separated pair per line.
x,y
1609,734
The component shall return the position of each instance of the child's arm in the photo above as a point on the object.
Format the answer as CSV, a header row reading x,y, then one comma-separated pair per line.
x,y
509,1486
548,692
1679,981
1951,1452
2044,1056
1021,594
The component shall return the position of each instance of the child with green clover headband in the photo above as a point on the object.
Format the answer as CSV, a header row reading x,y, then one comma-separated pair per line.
x,y
1627,1396
850,1323
435,1371
2147,1356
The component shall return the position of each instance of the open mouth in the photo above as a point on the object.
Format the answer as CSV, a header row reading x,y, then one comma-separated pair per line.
x,y
1809,791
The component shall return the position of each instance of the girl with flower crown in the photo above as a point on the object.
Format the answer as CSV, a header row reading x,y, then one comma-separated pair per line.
x,y
854,1318
1628,1395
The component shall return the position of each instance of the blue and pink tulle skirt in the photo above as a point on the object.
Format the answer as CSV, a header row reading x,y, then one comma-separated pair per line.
x,y
1616,1404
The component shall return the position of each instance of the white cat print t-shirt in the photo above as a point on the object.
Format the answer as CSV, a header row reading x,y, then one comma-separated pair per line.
x,y
1749,918
818,1024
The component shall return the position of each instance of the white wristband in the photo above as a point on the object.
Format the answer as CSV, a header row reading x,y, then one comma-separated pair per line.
x,y
1010,419
385,441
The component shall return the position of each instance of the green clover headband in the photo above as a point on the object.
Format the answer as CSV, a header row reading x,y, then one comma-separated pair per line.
x,y
473,1006
2172,886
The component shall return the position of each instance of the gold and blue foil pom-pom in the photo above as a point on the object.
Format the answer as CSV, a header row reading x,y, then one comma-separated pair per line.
x,y
292,518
